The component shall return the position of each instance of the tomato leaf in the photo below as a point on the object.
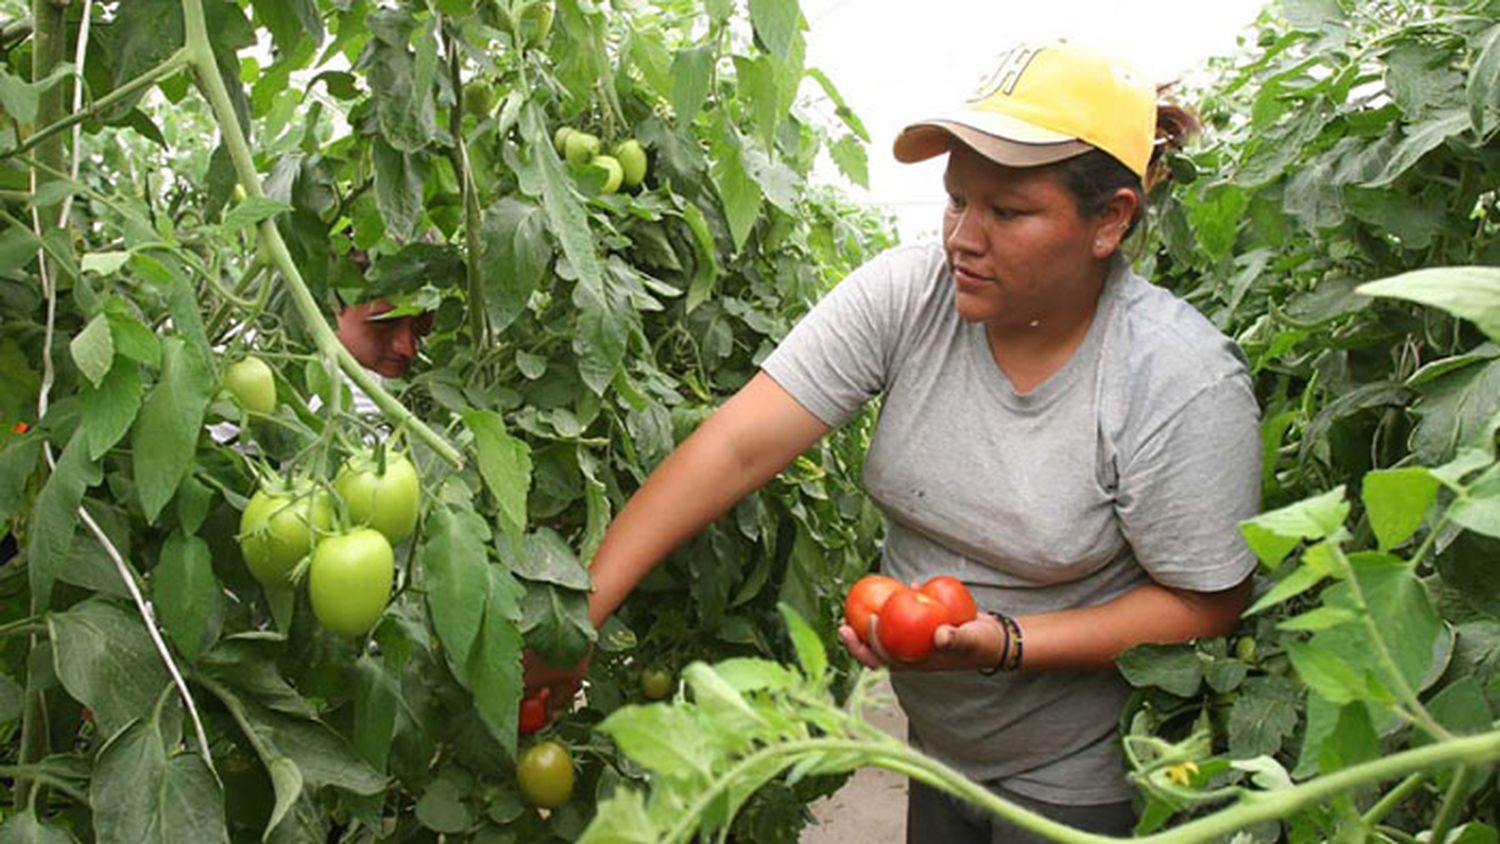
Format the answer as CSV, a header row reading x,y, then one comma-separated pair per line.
x,y
93,349
1397,501
505,464
810,651
24,828
165,438
692,70
187,596
254,210
547,557
621,819
401,86
377,699
399,177
54,519
515,254
1472,293
106,661
110,408
140,795
777,23
494,666
665,740
740,195
456,566
1173,668
555,622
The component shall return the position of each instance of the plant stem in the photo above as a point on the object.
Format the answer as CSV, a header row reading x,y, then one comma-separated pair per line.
x,y
206,71
1453,803
1393,798
38,775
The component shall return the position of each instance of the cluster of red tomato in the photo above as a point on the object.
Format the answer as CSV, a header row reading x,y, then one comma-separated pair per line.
x,y
907,619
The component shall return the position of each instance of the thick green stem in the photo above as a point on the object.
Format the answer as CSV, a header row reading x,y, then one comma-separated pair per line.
x,y
41,776
174,63
1453,803
1393,798
206,71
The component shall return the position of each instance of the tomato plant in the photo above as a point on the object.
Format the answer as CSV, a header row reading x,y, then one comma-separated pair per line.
x,y
632,158
279,527
545,774
907,623
386,498
953,595
252,383
349,580
865,599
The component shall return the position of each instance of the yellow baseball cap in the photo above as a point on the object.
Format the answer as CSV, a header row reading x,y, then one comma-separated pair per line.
x,y
1043,104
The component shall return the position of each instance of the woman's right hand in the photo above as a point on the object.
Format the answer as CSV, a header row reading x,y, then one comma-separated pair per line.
x,y
561,683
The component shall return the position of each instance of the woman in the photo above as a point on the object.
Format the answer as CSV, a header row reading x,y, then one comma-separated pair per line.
x,y
1073,443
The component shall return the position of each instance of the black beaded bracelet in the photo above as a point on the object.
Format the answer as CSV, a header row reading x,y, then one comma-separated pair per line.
x,y
1005,627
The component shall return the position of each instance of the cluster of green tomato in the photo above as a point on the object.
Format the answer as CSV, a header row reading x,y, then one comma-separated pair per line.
x,y
349,573
624,165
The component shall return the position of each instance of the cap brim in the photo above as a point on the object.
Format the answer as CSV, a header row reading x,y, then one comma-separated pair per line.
x,y
922,141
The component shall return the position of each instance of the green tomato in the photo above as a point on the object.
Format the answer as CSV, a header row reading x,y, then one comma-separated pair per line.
x,y
657,683
252,384
278,528
479,97
632,158
560,139
350,580
536,22
386,502
1244,649
545,774
614,173
580,147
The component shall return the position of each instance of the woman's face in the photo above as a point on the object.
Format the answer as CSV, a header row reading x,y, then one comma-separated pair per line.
x,y
1018,248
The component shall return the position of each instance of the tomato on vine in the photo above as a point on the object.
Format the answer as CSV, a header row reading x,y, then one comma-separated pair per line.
x,y
387,501
278,528
545,774
657,683
533,712
252,384
349,581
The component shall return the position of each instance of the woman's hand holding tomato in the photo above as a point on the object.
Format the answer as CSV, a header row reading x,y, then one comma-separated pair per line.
x,y
934,627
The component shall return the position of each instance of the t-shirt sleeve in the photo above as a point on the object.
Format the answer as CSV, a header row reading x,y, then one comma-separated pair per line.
x,y
1185,491
839,355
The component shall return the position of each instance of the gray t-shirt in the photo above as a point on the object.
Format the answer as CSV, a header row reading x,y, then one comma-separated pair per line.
x,y
1136,461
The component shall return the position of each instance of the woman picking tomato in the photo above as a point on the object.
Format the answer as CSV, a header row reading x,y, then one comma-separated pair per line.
x,y
1073,443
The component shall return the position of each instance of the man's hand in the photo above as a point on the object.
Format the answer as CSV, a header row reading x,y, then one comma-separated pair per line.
x,y
561,683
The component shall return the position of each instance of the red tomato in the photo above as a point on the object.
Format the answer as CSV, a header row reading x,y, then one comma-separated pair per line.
x,y
534,713
20,428
952,594
907,624
866,598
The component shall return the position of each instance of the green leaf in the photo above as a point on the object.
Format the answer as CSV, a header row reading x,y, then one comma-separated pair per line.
x,y
1312,518
740,194
494,666
1216,220
505,464
456,566
692,71
515,254
1472,293
94,349
1397,501
186,594
565,216
547,557
1483,87
1263,716
54,519
1172,668
621,819
401,85
290,21
253,211
140,795
600,338
133,338
1454,409
1421,139
849,154
1318,564
110,409
748,674
652,59
322,757
1352,741
105,659
1318,618
555,623
441,808
11,699
706,267
399,177
165,437
776,22
24,828
841,107
722,703
377,700
665,740
810,652
1461,707
757,86
1392,591
18,462
21,98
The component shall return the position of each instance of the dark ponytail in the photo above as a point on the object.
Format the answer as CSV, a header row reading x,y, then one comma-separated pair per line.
x,y
1094,177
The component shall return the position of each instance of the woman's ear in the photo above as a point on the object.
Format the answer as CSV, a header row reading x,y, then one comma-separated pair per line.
x,y
1111,224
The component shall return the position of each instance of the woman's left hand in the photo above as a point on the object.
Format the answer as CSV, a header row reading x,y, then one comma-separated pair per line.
x,y
971,646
